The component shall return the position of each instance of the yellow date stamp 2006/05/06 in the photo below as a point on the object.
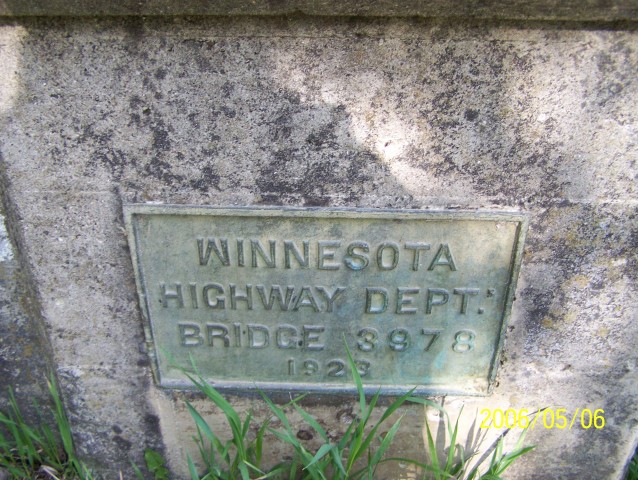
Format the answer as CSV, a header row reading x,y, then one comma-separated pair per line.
x,y
559,418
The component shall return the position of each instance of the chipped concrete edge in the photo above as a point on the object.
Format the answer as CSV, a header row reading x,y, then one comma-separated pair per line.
x,y
546,10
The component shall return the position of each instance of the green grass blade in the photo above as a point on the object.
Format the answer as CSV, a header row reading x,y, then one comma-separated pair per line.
x,y
230,413
60,417
359,443
246,425
323,450
50,446
191,468
632,468
200,422
222,450
347,435
155,463
357,378
410,461
206,452
498,453
232,417
259,441
429,403
365,444
225,452
338,462
289,437
434,458
509,458
27,449
375,459
138,473
452,449
16,472
294,465
275,472
312,422
21,433
284,437
243,469
500,461
279,413
365,415
394,406
385,443
254,468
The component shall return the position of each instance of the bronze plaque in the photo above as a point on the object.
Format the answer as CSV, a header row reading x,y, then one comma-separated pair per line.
x,y
269,298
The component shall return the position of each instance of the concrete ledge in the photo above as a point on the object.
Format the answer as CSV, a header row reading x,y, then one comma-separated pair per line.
x,y
579,10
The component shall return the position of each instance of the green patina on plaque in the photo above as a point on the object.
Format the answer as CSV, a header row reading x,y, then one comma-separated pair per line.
x,y
268,298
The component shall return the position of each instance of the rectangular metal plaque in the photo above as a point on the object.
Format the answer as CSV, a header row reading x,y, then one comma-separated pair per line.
x,y
269,298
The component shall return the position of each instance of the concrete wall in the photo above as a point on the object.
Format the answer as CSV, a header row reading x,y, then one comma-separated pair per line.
x,y
589,10
306,111
25,353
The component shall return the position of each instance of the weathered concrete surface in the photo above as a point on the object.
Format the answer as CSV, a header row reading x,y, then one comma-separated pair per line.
x,y
322,112
583,10
25,353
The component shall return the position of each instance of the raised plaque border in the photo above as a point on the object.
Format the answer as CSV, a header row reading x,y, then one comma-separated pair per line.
x,y
131,210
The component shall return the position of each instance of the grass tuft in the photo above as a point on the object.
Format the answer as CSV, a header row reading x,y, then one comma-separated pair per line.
x,y
360,450
42,453
457,463
39,452
237,458
632,469
355,456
